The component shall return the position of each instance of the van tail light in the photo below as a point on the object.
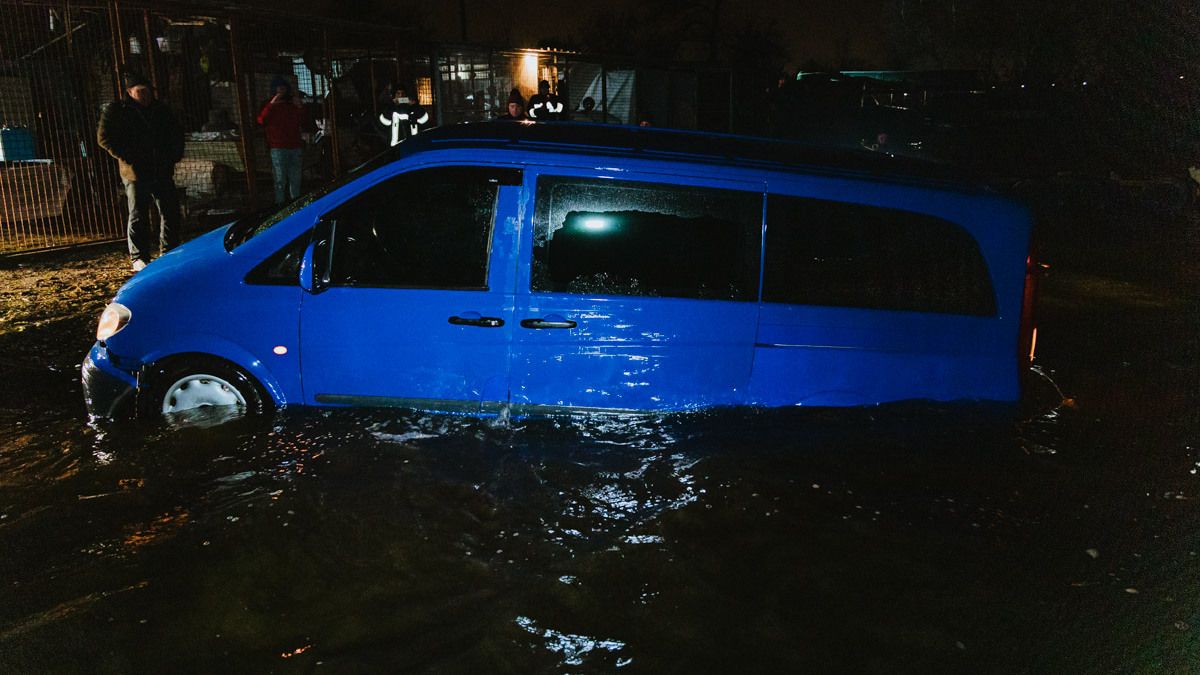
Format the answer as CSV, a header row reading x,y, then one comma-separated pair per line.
x,y
1027,340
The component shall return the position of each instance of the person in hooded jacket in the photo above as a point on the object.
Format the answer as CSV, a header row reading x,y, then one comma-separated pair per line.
x,y
284,120
403,116
515,107
142,134
544,106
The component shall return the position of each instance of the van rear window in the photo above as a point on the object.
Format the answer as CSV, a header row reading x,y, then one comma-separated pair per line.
x,y
849,255
646,239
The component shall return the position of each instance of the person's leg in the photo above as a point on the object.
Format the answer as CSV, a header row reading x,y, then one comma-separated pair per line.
x,y
278,173
138,229
294,171
166,196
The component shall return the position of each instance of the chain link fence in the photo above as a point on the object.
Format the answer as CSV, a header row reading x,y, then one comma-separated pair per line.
x,y
61,62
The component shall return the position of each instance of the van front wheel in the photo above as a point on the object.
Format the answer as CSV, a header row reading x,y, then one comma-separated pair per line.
x,y
201,382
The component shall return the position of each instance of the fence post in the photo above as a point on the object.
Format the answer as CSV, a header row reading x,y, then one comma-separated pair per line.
x,y
375,88
235,53
396,63
331,126
603,93
118,31
730,108
70,31
151,45
492,103
118,51
435,73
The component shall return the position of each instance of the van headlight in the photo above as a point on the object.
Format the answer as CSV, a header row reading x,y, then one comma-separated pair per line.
x,y
114,318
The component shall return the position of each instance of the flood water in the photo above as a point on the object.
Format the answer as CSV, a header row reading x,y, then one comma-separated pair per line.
x,y
1060,536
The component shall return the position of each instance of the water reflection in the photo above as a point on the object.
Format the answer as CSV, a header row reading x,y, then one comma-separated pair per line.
x,y
573,648
386,540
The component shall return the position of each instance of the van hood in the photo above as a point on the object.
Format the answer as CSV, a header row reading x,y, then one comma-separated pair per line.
x,y
175,265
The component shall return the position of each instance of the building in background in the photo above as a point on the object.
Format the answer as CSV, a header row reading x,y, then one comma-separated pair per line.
x,y
60,62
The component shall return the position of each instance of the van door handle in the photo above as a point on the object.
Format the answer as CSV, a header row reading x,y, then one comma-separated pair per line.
x,y
547,323
473,319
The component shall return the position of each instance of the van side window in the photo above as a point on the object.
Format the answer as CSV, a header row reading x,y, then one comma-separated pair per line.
x,y
429,228
645,239
282,268
849,255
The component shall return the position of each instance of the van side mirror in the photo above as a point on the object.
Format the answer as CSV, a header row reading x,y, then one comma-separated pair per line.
x,y
314,266
308,277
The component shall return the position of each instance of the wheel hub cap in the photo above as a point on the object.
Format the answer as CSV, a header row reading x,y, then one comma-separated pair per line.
x,y
199,391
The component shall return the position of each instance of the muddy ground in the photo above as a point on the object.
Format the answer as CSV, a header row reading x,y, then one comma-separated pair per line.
x,y
49,305
42,290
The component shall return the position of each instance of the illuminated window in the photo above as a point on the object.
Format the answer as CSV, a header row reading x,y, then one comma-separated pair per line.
x,y
424,91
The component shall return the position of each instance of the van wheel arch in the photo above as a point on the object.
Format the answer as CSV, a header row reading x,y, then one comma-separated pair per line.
x,y
206,379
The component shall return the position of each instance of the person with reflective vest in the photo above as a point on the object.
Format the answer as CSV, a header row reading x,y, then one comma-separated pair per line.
x,y
544,106
402,115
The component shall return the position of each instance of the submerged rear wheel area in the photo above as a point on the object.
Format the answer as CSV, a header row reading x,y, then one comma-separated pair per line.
x,y
197,381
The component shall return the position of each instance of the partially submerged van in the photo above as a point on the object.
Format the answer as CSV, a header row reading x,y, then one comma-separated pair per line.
x,y
541,267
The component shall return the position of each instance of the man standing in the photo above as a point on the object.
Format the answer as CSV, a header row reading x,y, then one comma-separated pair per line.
x,y
544,106
146,140
283,118
402,115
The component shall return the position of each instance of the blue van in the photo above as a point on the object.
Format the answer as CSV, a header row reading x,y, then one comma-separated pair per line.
x,y
540,267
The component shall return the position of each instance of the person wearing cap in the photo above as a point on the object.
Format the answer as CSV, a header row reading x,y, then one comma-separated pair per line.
x,y
402,116
544,106
142,134
284,120
516,107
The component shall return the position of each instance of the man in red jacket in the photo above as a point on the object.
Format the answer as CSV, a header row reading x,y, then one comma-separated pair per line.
x,y
283,119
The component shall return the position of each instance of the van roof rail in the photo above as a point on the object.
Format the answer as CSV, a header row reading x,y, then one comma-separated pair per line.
x,y
692,146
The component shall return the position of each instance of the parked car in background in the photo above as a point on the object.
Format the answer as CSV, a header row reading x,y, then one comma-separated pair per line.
x,y
543,267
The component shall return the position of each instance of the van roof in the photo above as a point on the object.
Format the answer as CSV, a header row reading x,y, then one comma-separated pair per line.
x,y
685,146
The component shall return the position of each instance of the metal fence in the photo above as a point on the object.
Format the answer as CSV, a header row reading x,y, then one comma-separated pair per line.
x,y
61,62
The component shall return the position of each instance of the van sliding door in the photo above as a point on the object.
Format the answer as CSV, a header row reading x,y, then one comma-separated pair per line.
x,y
640,293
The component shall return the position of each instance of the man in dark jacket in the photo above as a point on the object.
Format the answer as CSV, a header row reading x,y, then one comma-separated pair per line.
x,y
142,134
544,106
402,116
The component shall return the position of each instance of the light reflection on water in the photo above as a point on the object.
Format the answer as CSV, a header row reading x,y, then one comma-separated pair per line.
x,y
403,540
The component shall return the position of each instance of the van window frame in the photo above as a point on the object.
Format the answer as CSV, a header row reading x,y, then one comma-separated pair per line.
x,y
987,288
753,184
373,181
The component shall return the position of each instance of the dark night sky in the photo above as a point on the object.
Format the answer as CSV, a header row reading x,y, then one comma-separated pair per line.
x,y
826,30
1063,39
834,31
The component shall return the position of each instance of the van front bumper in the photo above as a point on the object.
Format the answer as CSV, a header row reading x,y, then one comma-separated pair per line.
x,y
108,391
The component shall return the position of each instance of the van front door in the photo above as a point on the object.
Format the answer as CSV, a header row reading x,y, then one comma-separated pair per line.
x,y
414,300
641,294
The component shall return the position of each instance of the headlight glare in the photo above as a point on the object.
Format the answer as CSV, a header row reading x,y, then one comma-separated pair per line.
x,y
114,318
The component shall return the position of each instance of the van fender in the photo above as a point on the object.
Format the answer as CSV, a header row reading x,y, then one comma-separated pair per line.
x,y
211,345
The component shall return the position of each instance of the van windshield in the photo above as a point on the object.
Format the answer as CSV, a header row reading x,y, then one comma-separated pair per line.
x,y
251,225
